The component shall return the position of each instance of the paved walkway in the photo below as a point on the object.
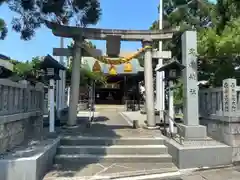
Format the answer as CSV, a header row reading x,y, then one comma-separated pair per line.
x,y
232,173
108,124
106,171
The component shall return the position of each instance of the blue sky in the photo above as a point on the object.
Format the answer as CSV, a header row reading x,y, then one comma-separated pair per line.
x,y
119,14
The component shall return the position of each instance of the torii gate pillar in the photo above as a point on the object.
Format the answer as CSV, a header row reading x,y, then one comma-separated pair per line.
x,y
75,81
148,78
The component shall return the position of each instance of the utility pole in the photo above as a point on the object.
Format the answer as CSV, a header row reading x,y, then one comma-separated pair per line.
x,y
160,93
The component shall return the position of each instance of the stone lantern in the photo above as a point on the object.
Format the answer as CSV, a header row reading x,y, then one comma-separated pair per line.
x,y
6,68
5,73
172,71
50,68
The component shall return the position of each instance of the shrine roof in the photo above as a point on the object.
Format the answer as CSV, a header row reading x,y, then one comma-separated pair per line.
x,y
171,65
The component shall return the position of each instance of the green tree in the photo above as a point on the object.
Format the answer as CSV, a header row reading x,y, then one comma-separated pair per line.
x,y
219,53
27,69
183,15
226,10
86,75
84,52
32,14
178,93
3,29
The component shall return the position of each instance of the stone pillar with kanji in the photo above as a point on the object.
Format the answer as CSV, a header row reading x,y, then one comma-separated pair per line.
x,y
190,127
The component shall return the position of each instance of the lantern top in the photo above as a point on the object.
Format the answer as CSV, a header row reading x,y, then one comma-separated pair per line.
x,y
4,72
50,62
173,64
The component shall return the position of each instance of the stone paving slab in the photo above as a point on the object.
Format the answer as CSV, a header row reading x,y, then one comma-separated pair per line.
x,y
109,170
231,173
108,124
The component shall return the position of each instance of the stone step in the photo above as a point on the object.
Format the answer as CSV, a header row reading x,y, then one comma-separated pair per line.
x,y
102,141
116,171
87,158
119,170
115,149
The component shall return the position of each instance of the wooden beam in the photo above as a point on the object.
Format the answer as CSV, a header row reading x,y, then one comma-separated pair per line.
x,y
62,52
68,52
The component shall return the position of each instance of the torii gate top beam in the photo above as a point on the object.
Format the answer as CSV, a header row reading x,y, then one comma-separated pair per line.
x,y
101,34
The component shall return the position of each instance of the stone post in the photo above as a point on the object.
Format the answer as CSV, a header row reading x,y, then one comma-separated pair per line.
x,y
57,93
64,89
229,97
171,106
59,87
191,127
51,105
148,78
75,82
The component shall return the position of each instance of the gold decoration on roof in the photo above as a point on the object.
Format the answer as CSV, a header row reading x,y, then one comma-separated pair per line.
x,y
128,67
112,70
96,67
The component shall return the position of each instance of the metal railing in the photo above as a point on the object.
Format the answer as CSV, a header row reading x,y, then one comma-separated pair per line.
x,y
177,136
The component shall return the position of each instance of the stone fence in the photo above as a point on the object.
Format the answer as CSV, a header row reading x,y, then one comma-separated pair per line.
x,y
21,113
219,111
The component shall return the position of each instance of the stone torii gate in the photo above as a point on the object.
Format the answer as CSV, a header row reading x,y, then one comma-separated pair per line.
x,y
145,36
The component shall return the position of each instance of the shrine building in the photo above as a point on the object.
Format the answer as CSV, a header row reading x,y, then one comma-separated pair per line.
x,y
122,81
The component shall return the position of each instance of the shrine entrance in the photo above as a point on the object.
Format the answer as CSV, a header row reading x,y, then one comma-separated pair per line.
x,y
114,62
110,93
119,90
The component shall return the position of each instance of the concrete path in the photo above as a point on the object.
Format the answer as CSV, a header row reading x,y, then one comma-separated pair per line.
x,y
108,124
105,171
109,171
231,173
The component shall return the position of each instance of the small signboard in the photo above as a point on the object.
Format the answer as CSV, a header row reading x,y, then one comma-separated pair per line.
x,y
50,71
